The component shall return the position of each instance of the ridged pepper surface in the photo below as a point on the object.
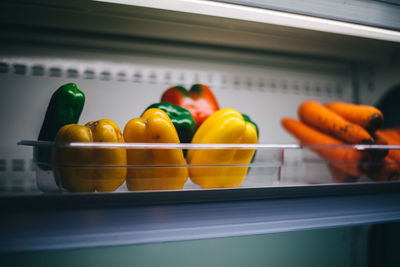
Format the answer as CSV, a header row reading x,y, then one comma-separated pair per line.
x,y
226,126
90,169
181,118
248,119
154,127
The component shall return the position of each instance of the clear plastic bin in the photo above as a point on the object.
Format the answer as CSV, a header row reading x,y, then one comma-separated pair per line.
x,y
272,165
341,164
77,172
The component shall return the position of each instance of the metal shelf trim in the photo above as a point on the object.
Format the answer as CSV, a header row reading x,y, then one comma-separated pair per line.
x,y
67,228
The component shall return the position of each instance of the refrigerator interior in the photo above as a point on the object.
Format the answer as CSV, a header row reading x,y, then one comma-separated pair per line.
x,y
124,57
120,84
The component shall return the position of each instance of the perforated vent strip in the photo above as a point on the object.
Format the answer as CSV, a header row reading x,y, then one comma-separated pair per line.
x,y
144,74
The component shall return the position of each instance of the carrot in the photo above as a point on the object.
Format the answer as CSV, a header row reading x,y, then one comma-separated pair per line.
x,y
327,121
347,160
393,153
368,117
381,153
393,133
340,176
385,170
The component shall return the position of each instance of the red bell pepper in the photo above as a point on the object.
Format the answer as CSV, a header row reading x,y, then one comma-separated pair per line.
x,y
199,100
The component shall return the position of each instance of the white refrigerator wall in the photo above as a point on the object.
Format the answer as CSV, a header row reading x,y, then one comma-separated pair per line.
x,y
120,86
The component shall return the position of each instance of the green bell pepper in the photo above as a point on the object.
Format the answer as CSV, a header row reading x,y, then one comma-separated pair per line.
x,y
65,107
181,118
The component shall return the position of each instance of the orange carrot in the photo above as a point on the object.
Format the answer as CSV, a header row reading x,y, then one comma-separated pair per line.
x,y
368,117
385,170
393,153
340,176
347,160
327,121
381,153
393,133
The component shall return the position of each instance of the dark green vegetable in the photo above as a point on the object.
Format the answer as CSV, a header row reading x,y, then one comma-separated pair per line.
x,y
65,107
181,118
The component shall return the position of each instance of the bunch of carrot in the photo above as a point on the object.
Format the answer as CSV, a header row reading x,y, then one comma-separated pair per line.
x,y
388,168
328,128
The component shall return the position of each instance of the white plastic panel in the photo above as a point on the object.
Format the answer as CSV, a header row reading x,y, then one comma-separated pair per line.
x,y
192,22
257,12
376,80
376,13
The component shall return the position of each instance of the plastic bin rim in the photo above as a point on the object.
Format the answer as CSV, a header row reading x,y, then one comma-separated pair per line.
x,y
195,146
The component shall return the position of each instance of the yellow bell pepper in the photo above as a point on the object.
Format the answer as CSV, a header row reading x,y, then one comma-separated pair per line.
x,y
101,176
154,127
226,126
